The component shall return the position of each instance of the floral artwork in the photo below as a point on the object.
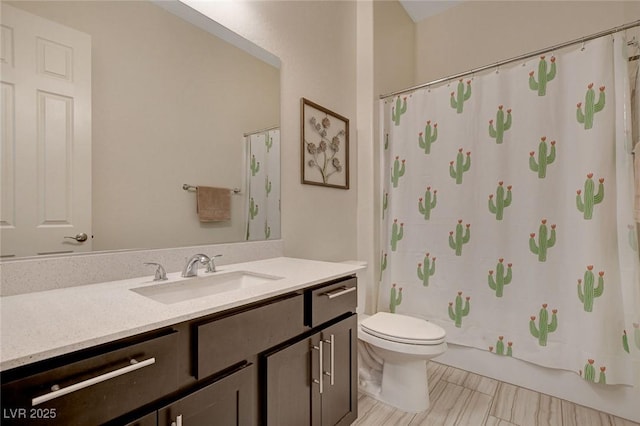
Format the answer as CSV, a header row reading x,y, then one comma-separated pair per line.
x,y
325,147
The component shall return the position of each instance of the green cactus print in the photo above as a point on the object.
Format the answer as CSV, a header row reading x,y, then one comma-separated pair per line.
x,y
383,264
543,159
385,203
398,110
267,231
267,185
544,326
397,172
502,125
587,292
544,243
397,232
636,334
501,278
500,349
462,165
255,165
426,269
430,200
590,373
268,141
459,312
502,201
590,199
460,238
429,136
253,209
625,341
395,299
461,95
543,76
590,107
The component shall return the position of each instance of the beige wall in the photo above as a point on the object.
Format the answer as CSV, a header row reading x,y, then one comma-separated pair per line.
x,y
316,41
478,33
170,106
394,47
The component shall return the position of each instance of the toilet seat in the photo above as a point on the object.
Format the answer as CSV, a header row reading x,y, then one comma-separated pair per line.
x,y
403,329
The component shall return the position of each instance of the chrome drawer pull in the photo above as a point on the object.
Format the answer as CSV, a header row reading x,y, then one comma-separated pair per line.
x,y
339,292
331,372
178,421
318,381
135,365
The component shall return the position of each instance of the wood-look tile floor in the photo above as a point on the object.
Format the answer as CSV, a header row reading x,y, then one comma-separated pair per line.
x,y
462,398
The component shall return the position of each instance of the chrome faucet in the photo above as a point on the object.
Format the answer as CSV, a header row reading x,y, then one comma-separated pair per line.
x,y
191,267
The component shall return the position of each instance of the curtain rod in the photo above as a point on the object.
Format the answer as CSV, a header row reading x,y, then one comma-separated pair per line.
x,y
515,59
255,132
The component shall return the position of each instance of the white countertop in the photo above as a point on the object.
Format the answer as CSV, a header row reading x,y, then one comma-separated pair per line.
x,y
41,325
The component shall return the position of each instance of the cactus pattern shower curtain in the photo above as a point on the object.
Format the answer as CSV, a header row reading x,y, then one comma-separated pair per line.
x,y
263,185
507,211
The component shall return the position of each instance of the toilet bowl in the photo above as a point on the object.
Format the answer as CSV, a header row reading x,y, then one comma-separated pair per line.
x,y
402,345
393,351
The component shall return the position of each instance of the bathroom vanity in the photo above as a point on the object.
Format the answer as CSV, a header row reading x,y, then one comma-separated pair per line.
x,y
282,352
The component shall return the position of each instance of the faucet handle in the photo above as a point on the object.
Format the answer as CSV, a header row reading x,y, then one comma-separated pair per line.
x,y
211,266
161,274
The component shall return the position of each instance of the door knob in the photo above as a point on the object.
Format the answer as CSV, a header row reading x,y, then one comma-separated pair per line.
x,y
81,237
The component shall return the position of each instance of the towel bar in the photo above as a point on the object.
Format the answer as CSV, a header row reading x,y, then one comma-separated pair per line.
x,y
192,188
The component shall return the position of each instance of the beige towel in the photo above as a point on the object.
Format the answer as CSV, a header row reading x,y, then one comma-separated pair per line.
x,y
213,204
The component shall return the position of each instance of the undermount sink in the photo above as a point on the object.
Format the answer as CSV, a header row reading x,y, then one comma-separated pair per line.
x,y
204,285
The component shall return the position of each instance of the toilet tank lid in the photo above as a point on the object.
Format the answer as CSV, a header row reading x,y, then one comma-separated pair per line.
x,y
403,326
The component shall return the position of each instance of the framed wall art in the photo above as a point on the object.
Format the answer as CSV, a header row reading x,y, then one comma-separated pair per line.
x,y
325,146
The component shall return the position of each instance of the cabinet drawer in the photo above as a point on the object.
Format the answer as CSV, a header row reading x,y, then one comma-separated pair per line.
x,y
330,301
96,389
224,342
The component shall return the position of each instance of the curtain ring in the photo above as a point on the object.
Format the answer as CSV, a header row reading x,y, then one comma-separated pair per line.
x,y
583,46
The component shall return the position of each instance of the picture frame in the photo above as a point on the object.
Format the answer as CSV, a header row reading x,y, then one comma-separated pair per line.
x,y
324,146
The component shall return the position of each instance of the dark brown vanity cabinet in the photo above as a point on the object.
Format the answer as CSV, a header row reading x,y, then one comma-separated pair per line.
x,y
250,365
313,380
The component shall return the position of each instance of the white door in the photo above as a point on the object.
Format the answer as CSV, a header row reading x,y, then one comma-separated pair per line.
x,y
46,136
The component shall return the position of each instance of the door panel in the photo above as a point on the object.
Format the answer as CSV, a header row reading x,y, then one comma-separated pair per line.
x,y
46,136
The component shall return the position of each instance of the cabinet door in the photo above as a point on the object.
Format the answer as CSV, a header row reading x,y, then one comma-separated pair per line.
x,y
228,401
339,403
290,389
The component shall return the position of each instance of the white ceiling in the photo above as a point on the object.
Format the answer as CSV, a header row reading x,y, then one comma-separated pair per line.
x,y
421,9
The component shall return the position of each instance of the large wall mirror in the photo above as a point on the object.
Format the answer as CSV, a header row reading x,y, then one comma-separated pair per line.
x,y
120,104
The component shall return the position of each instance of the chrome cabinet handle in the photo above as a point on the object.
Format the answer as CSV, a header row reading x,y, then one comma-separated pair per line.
x,y
178,421
339,292
58,392
331,371
318,381
81,237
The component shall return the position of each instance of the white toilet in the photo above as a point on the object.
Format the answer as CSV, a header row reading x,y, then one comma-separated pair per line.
x,y
393,351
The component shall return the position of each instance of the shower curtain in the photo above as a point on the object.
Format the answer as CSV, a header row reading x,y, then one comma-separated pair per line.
x,y
263,185
507,211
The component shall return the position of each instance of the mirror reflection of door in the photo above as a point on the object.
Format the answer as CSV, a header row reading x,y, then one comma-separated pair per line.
x,y
45,117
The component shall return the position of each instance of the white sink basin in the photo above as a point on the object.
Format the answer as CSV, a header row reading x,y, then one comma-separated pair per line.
x,y
204,285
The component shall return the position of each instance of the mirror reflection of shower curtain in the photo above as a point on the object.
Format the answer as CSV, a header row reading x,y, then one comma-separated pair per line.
x,y
263,185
